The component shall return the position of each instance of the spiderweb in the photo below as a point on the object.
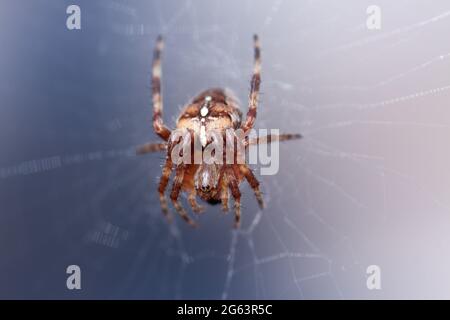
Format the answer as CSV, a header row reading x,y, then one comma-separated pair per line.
x,y
367,185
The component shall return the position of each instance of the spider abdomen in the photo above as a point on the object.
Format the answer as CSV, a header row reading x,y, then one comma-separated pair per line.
x,y
214,109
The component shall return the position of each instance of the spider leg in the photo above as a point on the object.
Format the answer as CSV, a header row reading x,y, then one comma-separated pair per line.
x,y
271,138
151,147
193,202
234,187
158,124
176,188
164,180
254,88
224,192
253,182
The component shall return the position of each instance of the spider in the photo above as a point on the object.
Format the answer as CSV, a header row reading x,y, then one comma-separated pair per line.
x,y
213,109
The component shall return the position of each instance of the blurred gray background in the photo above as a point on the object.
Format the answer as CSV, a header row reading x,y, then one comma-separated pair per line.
x,y
368,185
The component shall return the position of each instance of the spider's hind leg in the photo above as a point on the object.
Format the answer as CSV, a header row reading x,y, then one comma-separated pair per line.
x,y
272,138
254,87
151,147
158,124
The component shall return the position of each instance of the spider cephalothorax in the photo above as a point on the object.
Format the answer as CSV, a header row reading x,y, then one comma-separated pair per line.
x,y
208,118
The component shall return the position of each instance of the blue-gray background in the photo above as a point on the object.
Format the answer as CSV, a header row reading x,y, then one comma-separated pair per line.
x,y
369,183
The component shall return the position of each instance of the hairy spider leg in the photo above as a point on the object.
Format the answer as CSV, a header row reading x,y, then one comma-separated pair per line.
x,y
192,198
151,147
223,185
158,124
164,180
271,138
254,88
253,182
174,194
233,184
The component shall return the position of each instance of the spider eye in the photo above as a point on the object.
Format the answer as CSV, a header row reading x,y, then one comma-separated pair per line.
x,y
206,188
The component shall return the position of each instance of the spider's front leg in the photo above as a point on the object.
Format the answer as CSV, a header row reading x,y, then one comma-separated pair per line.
x,y
158,124
164,180
174,194
224,192
234,187
253,182
223,188
193,202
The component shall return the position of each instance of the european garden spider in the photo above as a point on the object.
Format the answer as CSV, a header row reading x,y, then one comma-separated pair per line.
x,y
212,110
